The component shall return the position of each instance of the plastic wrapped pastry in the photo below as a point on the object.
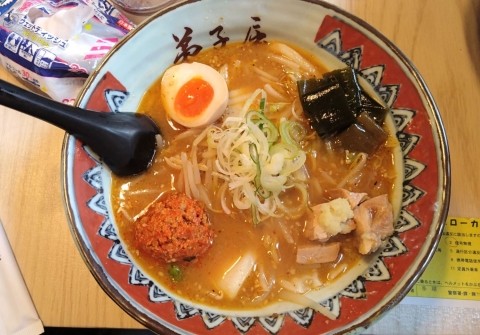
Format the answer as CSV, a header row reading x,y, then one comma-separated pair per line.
x,y
54,45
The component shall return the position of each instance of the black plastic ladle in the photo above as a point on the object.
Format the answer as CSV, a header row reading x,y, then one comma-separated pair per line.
x,y
125,142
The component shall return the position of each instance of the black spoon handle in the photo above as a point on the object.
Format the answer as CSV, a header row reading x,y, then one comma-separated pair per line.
x,y
126,142
73,120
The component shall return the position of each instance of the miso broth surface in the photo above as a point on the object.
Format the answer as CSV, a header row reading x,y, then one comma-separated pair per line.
x,y
236,234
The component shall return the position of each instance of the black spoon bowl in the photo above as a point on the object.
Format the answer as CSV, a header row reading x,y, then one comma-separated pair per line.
x,y
125,142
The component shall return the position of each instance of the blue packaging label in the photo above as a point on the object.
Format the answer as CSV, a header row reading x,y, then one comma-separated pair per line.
x,y
5,5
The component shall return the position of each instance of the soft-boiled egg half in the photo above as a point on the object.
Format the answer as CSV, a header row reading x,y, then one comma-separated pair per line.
x,y
194,94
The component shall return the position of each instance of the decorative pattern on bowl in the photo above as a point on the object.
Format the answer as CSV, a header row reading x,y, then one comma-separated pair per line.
x,y
424,202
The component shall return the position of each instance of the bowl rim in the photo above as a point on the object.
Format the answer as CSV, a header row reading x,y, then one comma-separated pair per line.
x,y
443,161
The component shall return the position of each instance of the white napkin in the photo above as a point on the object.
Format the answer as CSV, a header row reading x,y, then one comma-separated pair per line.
x,y
17,312
437,318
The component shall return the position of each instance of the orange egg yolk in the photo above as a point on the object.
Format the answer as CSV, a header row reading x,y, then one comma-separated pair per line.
x,y
193,97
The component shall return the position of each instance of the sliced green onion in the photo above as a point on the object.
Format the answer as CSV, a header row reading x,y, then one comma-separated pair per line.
x,y
264,124
253,152
262,105
254,156
291,132
257,158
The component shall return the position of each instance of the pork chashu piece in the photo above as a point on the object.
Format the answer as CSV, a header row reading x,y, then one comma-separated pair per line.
x,y
374,221
333,217
371,219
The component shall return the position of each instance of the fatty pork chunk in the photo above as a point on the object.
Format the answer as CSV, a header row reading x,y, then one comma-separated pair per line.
x,y
374,220
174,228
371,220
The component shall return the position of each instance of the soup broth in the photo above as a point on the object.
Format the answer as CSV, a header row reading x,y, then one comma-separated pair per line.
x,y
271,242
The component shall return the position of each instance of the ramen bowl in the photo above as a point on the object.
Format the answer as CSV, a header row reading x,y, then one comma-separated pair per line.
x,y
372,286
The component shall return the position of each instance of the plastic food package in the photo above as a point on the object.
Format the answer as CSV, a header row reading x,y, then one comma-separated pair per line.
x,y
17,312
55,44
142,7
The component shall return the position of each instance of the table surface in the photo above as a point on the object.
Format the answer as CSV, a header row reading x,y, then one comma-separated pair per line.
x,y
442,39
